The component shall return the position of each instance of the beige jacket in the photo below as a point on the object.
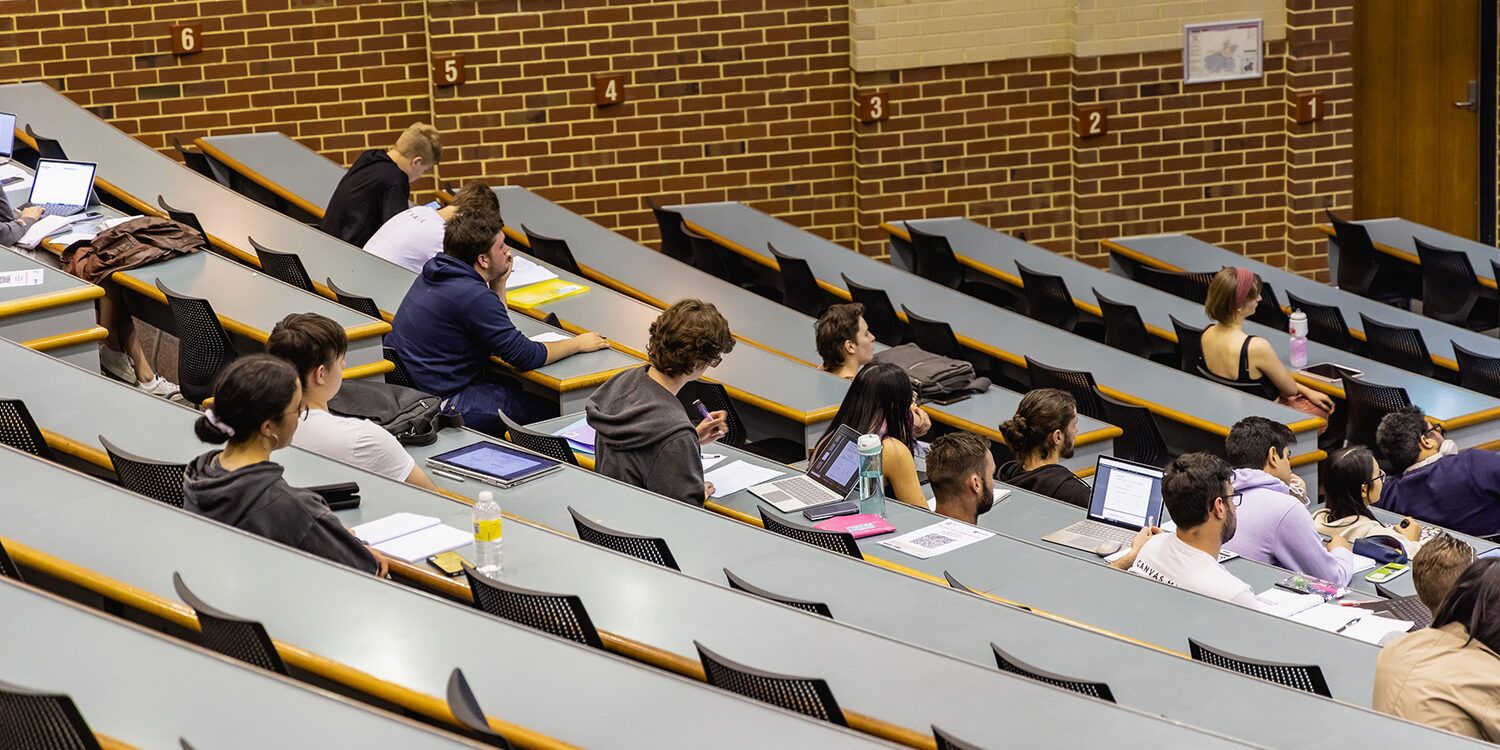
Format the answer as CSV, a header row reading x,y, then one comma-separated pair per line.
x,y
1432,677
1354,528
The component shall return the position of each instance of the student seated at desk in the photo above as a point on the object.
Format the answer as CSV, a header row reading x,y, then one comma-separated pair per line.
x,y
1232,354
454,319
961,471
1042,433
257,409
1437,566
1351,484
1274,526
378,185
879,402
845,343
1433,480
411,238
643,435
13,227
1448,676
316,346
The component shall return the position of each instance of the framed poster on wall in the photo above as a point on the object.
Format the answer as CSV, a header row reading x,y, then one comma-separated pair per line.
x,y
1221,51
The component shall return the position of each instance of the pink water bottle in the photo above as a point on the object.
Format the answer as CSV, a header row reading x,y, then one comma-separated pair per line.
x,y
1298,328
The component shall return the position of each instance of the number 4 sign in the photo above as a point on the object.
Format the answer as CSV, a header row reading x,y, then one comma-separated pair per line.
x,y
448,71
609,89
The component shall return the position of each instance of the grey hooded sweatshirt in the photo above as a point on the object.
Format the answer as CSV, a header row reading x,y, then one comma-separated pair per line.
x,y
643,436
256,499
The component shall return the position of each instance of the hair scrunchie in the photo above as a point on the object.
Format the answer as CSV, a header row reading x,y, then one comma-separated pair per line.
x,y
220,426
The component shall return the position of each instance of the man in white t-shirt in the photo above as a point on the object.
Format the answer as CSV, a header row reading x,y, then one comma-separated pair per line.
x,y
1197,492
409,239
315,346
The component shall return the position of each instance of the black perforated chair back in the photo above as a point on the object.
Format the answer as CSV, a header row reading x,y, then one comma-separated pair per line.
x,y
953,583
716,398
232,636
1189,285
652,549
805,695
1268,311
398,374
1142,440
947,741
673,242
550,446
1477,372
1307,677
182,217
708,256
1048,299
1015,666
1357,266
562,615
880,314
933,258
18,430
1254,388
1450,288
817,608
284,267
933,336
1189,345
204,348
8,567
837,541
356,302
196,161
1325,323
799,288
466,709
552,250
1395,345
34,720
1078,383
1365,404
1123,327
158,480
47,148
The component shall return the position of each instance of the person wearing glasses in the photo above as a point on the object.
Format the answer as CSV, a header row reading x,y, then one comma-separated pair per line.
x,y
1274,525
1197,492
1352,481
1431,479
257,407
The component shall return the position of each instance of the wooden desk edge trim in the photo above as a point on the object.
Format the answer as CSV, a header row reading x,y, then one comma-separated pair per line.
x,y
61,340
123,278
258,178
86,292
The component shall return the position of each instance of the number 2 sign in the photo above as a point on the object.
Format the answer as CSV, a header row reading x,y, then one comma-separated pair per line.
x,y
448,71
1091,122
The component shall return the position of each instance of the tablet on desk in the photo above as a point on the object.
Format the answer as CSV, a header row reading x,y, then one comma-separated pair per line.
x,y
493,463
1329,372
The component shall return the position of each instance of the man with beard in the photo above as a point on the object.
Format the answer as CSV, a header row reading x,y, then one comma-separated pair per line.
x,y
962,473
1197,492
1042,434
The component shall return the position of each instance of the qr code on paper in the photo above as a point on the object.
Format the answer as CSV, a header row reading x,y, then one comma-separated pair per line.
x,y
932,541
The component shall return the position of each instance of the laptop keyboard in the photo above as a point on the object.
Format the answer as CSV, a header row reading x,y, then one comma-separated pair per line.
x,y
60,209
1103,531
804,489
1410,608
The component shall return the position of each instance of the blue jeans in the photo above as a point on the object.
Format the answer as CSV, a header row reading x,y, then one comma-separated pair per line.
x,y
480,405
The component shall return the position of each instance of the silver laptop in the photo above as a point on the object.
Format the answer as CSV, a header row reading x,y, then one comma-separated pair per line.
x,y
829,477
7,136
1127,496
62,187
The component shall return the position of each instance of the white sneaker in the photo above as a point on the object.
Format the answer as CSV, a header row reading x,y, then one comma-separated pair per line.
x,y
116,364
159,386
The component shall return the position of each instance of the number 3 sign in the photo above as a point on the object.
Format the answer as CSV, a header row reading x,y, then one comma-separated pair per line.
x,y
448,71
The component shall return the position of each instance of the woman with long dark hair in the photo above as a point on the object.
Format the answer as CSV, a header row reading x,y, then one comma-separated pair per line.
x,y
879,401
1351,485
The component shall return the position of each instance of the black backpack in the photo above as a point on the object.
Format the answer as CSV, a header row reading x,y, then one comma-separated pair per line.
x,y
412,416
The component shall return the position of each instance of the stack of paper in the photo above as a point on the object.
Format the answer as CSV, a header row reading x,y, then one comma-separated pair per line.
x,y
738,475
525,272
580,436
1310,609
411,537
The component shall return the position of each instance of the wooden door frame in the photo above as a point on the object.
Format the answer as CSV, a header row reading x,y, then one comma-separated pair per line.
x,y
1488,118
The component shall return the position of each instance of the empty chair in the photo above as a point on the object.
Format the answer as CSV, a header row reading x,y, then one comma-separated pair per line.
x,y
1365,404
1325,324
562,615
196,161
550,446
880,314
652,549
1477,372
714,260
947,741
799,288
1395,345
34,720
1307,677
356,302
817,608
1078,383
47,148
1142,440
805,695
1049,301
933,259
158,480
673,241
934,336
18,430
398,374
204,347
552,250
837,541
465,708
8,567
1125,330
284,267
1451,291
1366,271
716,398
1189,285
1189,345
1268,311
1015,666
182,217
232,636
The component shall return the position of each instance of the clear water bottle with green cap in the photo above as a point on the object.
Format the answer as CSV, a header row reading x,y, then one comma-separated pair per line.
x,y
871,485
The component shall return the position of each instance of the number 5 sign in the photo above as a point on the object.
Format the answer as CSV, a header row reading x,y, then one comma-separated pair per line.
x,y
187,38
448,71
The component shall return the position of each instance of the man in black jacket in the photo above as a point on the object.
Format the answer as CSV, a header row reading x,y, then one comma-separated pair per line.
x,y
378,186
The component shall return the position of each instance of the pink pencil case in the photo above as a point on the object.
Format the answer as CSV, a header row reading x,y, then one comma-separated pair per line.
x,y
859,525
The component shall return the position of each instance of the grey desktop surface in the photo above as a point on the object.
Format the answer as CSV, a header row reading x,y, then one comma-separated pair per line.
x,y
284,162
54,317
1401,234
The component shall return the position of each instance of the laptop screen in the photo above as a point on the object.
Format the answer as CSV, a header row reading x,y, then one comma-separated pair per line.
x,y
1126,493
62,182
837,465
7,134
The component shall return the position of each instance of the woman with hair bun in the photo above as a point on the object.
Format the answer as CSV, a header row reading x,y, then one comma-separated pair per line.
x,y
257,405
1042,434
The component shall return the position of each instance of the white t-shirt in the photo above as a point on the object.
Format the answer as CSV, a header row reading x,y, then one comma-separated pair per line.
x,y
409,239
1172,561
354,441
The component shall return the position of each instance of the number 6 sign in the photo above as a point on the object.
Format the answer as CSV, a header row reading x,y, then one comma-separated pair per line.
x,y
448,71
187,38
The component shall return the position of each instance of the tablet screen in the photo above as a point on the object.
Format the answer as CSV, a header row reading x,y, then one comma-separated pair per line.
x,y
495,460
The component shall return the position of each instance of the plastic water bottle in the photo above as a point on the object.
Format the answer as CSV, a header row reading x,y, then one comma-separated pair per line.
x,y
1298,328
871,485
487,550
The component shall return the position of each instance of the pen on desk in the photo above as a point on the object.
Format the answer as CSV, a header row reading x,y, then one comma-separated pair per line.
x,y
445,474
712,456
1346,625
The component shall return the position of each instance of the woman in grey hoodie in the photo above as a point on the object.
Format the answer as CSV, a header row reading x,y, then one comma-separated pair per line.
x,y
257,404
643,435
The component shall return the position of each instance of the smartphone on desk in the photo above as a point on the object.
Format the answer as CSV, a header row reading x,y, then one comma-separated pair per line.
x,y
823,513
451,563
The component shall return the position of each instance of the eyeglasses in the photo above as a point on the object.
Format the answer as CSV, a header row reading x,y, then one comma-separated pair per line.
x,y
1434,428
1233,497
301,412
715,361
1377,478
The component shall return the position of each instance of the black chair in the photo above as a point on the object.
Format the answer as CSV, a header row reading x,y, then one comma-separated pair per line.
x,y
562,615
1477,372
34,720
550,446
1451,291
805,695
552,250
1142,440
1189,285
841,542
182,217
8,567
47,148
714,260
799,288
1366,271
197,161
880,314
1395,345
954,584
652,549
356,302
1078,383
1049,301
1189,345
1015,666
1307,677
673,241
465,708
716,398
1125,330
817,608
158,480
18,430
232,636
182,743
947,741
398,374
1256,388
284,267
1365,404
933,259
204,348
1326,324
934,336
1268,312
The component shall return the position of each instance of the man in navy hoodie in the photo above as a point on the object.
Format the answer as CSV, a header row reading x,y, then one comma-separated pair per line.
x,y
453,320
1433,480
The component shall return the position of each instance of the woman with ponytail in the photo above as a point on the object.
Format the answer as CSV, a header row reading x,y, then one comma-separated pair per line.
x,y
1042,434
1232,354
257,406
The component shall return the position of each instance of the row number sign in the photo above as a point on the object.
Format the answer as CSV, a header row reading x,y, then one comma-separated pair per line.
x,y
1309,107
448,71
1092,122
187,38
873,107
609,89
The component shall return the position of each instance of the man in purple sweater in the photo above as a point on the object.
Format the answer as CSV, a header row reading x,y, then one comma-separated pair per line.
x,y
1274,526
1435,482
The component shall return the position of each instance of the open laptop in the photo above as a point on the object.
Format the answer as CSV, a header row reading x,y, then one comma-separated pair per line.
x,y
7,136
829,477
62,187
1126,496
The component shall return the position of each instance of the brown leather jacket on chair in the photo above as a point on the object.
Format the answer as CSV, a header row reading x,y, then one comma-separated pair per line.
x,y
1440,678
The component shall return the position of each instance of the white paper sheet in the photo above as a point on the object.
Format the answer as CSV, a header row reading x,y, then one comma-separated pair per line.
x,y
397,524
45,226
738,475
1373,628
939,538
27,277
419,545
1283,603
1362,563
709,459
525,272
545,336
1330,617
